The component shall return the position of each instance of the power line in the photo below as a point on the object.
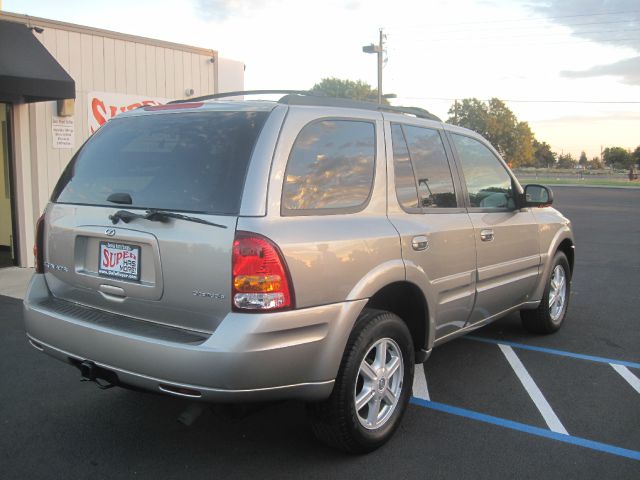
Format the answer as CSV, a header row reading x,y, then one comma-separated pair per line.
x,y
575,38
523,19
614,102
401,32
526,42
529,35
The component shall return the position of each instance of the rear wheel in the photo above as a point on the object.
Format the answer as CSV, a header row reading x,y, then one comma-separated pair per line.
x,y
550,314
372,388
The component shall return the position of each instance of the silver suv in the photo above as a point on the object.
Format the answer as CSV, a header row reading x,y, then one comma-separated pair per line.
x,y
309,248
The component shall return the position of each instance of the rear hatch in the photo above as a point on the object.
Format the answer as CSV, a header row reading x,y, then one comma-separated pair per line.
x,y
143,219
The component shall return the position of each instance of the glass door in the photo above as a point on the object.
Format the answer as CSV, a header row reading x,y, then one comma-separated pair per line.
x,y
7,253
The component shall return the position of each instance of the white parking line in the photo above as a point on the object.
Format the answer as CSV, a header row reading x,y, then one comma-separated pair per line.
x,y
420,389
627,375
534,392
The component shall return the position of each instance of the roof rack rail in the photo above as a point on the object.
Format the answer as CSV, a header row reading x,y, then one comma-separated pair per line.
x,y
239,93
311,98
314,100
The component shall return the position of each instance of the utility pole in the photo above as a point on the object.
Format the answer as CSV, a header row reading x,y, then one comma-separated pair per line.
x,y
380,54
379,49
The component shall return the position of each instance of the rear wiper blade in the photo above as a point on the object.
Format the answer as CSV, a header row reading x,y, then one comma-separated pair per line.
x,y
125,216
155,215
163,215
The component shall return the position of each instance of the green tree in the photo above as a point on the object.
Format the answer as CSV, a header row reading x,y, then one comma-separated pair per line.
x,y
583,159
566,160
544,157
617,157
497,123
595,163
522,149
355,90
470,113
636,155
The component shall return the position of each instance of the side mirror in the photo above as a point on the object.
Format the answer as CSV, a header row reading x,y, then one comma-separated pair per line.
x,y
537,196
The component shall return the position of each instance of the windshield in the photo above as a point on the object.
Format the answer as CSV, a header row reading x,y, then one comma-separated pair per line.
x,y
194,162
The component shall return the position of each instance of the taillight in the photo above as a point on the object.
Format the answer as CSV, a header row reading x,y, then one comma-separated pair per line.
x,y
260,276
38,248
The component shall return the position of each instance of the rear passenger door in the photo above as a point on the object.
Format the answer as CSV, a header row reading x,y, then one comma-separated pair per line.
x,y
426,207
506,237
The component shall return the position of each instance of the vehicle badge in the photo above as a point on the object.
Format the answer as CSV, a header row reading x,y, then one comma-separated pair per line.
x,y
110,232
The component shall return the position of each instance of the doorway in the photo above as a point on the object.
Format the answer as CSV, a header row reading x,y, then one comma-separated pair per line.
x,y
7,237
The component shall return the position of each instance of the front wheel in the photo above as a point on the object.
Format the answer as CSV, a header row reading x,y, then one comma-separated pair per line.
x,y
549,316
372,388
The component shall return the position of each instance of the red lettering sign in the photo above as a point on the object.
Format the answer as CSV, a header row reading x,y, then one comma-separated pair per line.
x,y
104,106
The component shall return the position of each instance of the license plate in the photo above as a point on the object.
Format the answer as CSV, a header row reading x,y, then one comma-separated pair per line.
x,y
119,260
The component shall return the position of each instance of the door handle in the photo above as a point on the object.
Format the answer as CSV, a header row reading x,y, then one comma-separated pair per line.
x,y
486,235
420,243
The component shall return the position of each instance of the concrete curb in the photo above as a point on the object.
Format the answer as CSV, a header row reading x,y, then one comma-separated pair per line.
x,y
14,281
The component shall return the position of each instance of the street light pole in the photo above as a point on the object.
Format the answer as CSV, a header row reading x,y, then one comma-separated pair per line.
x,y
379,49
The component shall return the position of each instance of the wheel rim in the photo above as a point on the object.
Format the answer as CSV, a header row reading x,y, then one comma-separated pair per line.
x,y
379,383
557,293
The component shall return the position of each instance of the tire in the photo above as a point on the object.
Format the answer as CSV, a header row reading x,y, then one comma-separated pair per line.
x,y
336,421
551,312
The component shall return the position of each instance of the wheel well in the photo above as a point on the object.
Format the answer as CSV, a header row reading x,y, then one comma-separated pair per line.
x,y
566,247
407,301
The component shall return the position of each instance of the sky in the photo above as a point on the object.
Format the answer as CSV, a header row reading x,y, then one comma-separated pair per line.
x,y
570,68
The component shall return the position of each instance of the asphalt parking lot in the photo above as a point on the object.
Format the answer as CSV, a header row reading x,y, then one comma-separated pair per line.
x,y
483,418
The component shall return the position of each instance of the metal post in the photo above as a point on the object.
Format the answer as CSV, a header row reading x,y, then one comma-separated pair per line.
x,y
379,49
380,54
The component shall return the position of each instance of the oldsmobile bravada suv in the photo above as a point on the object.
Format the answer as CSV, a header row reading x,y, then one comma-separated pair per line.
x,y
310,248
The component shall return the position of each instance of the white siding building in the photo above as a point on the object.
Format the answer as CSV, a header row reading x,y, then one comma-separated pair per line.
x,y
39,133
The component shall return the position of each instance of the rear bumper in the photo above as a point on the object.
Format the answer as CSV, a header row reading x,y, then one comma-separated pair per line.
x,y
250,357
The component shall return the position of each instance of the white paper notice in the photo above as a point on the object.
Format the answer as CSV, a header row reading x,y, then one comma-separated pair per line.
x,y
63,132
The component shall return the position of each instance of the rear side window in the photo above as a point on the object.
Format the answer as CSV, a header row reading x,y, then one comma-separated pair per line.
x,y
193,162
330,168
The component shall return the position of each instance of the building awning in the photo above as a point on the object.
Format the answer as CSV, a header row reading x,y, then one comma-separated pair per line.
x,y
28,72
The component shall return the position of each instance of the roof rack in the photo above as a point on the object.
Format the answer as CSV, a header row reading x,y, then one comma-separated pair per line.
x,y
310,98
315,100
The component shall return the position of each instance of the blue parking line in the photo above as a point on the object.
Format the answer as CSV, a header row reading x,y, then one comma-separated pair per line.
x,y
521,427
552,351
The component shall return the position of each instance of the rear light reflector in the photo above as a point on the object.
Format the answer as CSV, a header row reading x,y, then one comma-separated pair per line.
x,y
260,276
38,248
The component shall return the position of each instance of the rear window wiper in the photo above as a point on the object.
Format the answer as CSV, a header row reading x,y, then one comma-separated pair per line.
x,y
155,215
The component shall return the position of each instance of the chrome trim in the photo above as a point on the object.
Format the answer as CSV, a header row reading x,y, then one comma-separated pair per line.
x,y
421,242
487,235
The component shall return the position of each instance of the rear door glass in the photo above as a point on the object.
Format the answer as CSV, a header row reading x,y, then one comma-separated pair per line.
x,y
194,162
435,183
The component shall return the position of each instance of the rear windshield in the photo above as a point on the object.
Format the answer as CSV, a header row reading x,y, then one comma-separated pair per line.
x,y
193,162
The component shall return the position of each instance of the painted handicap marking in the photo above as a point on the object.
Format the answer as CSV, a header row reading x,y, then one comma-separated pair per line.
x,y
534,392
522,427
552,351
627,375
557,431
420,389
